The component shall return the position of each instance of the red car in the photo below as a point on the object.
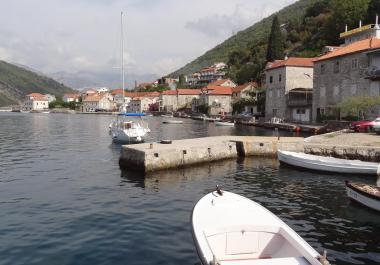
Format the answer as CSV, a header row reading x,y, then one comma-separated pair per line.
x,y
362,126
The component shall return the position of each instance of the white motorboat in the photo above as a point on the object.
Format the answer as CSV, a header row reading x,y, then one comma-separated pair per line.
x,y
172,122
367,195
327,163
229,229
224,123
128,131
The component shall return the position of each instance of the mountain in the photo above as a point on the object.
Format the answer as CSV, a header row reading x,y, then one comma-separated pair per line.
x,y
254,36
112,79
16,82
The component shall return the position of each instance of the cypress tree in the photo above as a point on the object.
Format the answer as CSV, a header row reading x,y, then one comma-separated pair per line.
x,y
276,42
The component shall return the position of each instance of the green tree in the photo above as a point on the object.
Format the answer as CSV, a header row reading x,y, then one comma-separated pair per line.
x,y
373,10
276,42
181,81
343,12
358,105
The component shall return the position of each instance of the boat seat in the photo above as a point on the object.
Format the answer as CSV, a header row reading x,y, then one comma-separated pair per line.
x,y
262,261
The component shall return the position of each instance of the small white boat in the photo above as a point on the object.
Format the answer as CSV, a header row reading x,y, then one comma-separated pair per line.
x,y
128,131
327,163
172,122
167,115
224,123
367,195
229,229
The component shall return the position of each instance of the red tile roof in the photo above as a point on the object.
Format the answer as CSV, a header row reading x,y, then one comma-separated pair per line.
x,y
219,90
71,95
219,82
135,94
291,61
358,46
35,95
182,91
240,88
93,98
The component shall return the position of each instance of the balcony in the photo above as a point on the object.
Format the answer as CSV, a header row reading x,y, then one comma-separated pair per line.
x,y
372,73
299,97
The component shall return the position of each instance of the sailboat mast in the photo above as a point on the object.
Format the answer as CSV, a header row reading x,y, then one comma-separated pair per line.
x,y
122,60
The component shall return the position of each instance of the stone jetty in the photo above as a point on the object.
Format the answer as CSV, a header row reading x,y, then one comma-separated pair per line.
x,y
150,157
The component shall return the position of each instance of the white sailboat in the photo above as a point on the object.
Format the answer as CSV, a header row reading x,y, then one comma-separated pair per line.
x,y
123,129
229,229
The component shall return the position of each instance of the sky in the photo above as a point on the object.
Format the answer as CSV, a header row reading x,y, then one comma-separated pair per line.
x,y
84,35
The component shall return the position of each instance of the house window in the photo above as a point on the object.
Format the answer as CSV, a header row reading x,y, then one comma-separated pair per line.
x,y
279,78
301,111
271,79
323,68
354,63
336,67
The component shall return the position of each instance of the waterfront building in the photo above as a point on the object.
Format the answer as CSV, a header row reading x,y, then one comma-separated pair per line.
x,y
173,100
97,102
248,91
71,97
88,92
50,98
216,98
243,91
35,101
289,86
351,70
141,104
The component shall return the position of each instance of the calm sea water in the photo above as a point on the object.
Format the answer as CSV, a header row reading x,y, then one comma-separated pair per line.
x,y
64,200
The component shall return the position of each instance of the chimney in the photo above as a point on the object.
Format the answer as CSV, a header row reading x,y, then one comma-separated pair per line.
x,y
360,23
346,28
377,28
286,57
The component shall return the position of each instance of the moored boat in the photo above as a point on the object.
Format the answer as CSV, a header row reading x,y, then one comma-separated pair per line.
x,y
172,122
224,123
367,195
128,131
327,163
231,229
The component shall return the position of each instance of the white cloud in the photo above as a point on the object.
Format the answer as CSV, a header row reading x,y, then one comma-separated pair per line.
x,y
161,35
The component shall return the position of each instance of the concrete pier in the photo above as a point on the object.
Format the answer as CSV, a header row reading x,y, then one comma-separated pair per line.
x,y
149,157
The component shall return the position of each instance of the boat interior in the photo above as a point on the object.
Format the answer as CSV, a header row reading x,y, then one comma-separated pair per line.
x,y
244,245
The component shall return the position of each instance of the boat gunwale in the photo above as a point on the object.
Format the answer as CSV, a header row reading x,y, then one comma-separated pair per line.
x,y
372,196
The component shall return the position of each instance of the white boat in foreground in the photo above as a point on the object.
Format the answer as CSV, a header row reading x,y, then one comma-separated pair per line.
x,y
367,195
224,123
326,163
229,229
172,122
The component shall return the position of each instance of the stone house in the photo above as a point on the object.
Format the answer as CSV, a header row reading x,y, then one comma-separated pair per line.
x,y
288,85
70,97
97,102
35,101
141,104
172,100
351,70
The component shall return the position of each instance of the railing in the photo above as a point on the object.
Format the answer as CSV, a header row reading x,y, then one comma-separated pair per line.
x,y
295,102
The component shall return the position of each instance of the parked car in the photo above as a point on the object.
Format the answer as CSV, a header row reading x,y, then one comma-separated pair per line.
x,y
364,126
376,127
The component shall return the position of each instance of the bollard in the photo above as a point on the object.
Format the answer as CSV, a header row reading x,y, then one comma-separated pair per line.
x,y
277,134
151,146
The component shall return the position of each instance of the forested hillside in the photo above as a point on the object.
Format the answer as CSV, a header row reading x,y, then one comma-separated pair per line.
x,y
16,82
306,25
